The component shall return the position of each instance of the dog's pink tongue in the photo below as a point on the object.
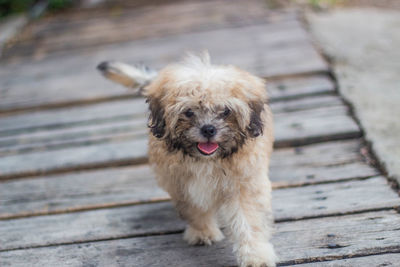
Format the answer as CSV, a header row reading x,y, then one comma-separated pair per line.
x,y
207,148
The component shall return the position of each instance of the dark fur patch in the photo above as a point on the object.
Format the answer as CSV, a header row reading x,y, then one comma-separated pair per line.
x,y
256,125
177,139
230,151
174,144
156,119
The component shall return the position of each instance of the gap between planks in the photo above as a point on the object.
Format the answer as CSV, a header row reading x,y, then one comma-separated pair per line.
x,y
129,109
314,126
161,199
53,80
280,88
120,121
386,259
151,22
290,167
296,242
290,205
127,154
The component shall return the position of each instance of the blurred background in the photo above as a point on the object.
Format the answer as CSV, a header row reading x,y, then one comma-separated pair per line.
x,y
49,49
75,186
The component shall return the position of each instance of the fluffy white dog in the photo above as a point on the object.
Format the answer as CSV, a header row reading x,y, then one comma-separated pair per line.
x,y
211,136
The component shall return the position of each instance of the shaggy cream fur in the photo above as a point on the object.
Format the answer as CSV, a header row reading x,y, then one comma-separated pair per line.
x,y
229,188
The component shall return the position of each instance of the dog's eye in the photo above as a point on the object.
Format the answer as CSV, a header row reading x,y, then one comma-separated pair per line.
x,y
189,113
227,111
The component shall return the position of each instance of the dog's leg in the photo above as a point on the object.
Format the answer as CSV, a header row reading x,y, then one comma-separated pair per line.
x,y
249,221
202,227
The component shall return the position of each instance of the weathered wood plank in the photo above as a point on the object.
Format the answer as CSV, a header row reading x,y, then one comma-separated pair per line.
x,y
106,121
315,125
70,116
41,196
325,162
288,204
74,158
65,124
44,139
391,259
306,103
295,242
293,128
336,198
73,116
335,161
265,49
59,32
79,191
292,87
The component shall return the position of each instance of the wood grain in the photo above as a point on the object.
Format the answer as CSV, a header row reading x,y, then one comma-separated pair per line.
x,y
327,162
390,259
299,86
295,242
105,122
324,162
145,219
281,89
266,50
314,125
120,24
74,158
112,143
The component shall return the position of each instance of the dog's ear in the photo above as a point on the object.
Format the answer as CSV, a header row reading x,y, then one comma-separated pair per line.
x,y
156,119
256,125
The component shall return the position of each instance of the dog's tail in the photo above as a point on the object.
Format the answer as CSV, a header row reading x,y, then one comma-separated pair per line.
x,y
134,77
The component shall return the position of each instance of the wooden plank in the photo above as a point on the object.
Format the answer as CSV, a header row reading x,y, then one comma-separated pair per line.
x,y
335,161
74,136
315,125
294,87
336,198
295,242
280,89
79,191
325,162
293,128
59,32
107,121
74,158
265,49
391,259
288,204
306,103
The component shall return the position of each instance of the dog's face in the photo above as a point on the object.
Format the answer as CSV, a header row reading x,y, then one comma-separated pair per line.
x,y
205,111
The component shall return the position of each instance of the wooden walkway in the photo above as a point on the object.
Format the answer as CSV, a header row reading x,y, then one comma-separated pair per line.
x,y
75,189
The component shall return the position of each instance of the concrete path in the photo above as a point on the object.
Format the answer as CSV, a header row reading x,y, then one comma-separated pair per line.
x,y
363,44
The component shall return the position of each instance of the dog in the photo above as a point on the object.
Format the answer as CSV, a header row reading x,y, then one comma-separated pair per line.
x,y
211,137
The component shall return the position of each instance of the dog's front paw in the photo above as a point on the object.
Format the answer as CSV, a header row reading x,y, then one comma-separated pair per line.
x,y
258,256
205,237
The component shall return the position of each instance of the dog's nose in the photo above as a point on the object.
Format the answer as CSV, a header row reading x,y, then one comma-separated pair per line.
x,y
208,130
